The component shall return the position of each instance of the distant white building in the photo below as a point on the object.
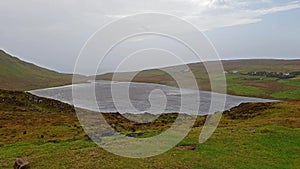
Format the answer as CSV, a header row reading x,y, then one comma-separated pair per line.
x,y
234,71
186,70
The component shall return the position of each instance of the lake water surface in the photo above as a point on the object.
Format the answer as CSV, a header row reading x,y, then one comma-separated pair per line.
x,y
131,97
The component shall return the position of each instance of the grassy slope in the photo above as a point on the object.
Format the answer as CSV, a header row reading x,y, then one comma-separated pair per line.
x,y
237,84
263,135
16,74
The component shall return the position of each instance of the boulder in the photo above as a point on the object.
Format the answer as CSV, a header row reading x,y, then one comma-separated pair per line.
x,y
21,164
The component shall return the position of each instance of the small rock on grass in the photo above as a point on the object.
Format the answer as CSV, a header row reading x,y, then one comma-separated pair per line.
x,y
188,147
21,164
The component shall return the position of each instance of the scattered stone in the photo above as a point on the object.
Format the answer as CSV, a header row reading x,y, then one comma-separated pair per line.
x,y
108,133
21,164
134,134
188,147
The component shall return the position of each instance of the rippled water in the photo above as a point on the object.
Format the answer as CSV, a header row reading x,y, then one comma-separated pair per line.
x,y
142,97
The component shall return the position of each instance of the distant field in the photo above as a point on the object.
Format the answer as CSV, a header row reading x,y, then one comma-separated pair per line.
x,y
238,81
48,134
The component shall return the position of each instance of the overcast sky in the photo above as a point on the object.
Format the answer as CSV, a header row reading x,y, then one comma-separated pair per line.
x,y
51,33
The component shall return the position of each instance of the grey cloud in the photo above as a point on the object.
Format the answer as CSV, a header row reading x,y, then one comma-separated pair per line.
x,y
46,32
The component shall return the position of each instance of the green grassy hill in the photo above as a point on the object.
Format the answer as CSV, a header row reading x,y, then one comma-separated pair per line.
x,y
16,74
263,78
47,134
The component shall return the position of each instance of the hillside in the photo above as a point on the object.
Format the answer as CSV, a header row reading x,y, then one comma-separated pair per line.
x,y
265,78
47,134
16,74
